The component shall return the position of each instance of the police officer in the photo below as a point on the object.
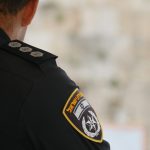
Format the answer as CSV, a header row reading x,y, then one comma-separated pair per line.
x,y
41,108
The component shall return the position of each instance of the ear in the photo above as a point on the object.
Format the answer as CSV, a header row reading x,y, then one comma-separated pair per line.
x,y
28,12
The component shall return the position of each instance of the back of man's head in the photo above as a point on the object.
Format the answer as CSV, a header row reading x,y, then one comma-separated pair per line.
x,y
16,15
11,6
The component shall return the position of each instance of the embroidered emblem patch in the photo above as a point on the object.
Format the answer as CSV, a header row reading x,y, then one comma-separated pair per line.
x,y
82,117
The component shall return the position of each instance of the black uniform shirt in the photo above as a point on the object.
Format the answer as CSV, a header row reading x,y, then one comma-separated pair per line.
x,y
41,108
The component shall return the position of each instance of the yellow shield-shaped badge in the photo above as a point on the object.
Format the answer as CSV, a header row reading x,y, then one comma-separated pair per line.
x,y
82,117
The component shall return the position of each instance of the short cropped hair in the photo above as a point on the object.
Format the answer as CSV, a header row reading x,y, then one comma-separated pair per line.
x,y
11,6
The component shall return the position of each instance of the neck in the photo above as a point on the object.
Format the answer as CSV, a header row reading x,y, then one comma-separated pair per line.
x,y
12,28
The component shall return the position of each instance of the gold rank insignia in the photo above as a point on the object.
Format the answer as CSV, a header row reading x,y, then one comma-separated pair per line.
x,y
82,117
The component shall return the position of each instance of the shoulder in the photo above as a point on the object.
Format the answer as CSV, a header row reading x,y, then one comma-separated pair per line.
x,y
26,60
32,63
37,66
27,52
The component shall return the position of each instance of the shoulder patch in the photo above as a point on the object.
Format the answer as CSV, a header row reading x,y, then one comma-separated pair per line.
x,y
27,52
82,117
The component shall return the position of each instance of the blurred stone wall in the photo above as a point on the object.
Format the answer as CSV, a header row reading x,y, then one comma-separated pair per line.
x,y
103,45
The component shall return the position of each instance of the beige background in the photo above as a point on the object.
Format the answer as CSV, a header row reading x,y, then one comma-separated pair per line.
x,y
104,46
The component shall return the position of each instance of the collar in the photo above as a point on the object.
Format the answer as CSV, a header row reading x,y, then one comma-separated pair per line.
x,y
3,37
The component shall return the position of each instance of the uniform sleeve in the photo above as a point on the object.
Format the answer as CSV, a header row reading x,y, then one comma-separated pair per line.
x,y
57,116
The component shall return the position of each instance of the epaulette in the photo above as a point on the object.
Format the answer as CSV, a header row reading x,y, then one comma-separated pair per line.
x,y
27,52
